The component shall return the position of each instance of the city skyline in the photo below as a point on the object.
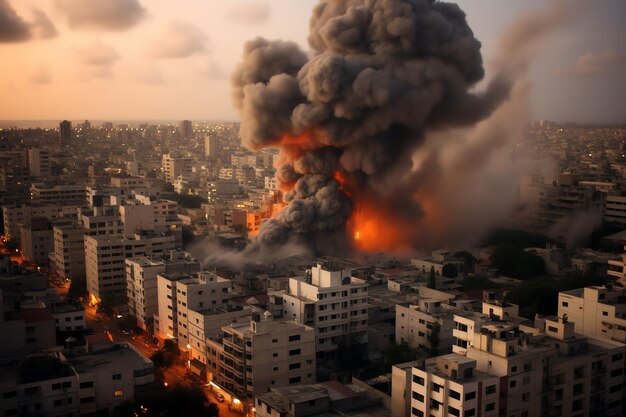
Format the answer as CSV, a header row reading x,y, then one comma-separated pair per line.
x,y
154,61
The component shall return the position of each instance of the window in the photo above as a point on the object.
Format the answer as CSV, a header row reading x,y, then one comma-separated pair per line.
x,y
56,386
605,313
86,400
294,352
117,376
294,380
294,365
436,387
491,389
455,395
490,407
9,394
416,412
565,304
453,411
470,396
58,403
118,393
294,337
617,357
616,372
417,396
512,383
470,413
418,380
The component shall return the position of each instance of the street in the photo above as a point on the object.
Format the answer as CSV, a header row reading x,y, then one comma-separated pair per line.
x,y
176,374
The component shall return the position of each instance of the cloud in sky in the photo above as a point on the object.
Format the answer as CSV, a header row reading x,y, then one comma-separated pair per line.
x,y
179,40
249,12
13,28
97,60
101,15
41,76
42,26
215,71
593,64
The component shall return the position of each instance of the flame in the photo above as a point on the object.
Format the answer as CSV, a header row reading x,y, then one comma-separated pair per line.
x,y
373,229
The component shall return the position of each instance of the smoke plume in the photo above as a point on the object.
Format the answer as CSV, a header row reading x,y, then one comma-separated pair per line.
x,y
352,118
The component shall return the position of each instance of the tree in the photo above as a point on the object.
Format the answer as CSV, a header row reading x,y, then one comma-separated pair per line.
x,y
78,288
432,279
401,353
433,338
517,263
177,401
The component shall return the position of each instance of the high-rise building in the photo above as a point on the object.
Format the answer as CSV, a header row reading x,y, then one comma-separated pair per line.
x,y
141,279
105,261
332,302
211,146
185,129
65,133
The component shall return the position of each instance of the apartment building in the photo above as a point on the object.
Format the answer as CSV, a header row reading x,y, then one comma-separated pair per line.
x,y
38,385
68,255
57,192
251,358
39,162
174,165
180,293
74,382
141,280
16,215
160,216
415,323
530,369
596,311
331,301
105,257
207,324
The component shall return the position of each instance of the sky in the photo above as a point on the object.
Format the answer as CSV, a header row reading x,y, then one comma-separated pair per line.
x,y
170,60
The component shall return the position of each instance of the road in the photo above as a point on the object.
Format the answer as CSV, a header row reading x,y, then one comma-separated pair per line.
x,y
176,374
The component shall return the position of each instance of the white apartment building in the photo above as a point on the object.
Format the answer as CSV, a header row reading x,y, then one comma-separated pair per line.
x,y
68,256
596,311
179,293
160,216
105,257
416,322
616,268
615,208
101,221
57,192
174,166
207,324
141,280
39,162
536,370
253,357
14,216
211,146
332,302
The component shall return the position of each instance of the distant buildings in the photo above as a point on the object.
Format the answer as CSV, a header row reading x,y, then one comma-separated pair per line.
x,y
185,129
211,146
65,133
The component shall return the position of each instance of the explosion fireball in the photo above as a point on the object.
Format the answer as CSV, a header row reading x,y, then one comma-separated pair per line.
x,y
349,116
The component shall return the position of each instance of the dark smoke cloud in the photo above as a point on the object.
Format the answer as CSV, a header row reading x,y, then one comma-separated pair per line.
x,y
383,74
12,27
15,29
